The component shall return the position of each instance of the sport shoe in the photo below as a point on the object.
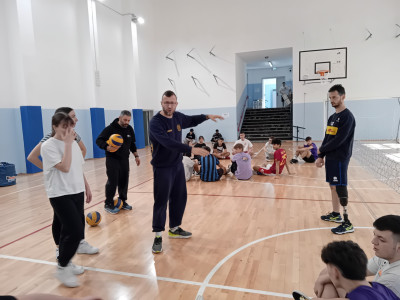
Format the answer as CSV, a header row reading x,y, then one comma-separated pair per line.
x,y
331,218
299,296
111,209
76,270
179,234
343,228
228,170
67,276
85,248
126,206
57,253
157,245
294,161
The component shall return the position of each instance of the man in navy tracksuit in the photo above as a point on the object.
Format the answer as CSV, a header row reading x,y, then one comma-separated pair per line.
x,y
169,175
337,147
117,160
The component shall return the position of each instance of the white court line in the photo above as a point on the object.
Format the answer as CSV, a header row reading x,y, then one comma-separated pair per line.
x,y
152,277
203,285
226,258
312,186
32,187
323,179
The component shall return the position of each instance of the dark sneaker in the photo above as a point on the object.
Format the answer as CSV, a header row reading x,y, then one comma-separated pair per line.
x,y
126,206
331,218
179,234
157,245
111,209
294,161
299,296
343,228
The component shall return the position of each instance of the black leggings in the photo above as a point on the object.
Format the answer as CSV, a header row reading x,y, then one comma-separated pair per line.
x,y
69,211
56,229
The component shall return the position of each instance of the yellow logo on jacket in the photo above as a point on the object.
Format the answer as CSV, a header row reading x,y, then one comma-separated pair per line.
x,y
178,127
331,130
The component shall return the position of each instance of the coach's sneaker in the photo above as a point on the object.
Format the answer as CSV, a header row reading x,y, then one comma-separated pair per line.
x,y
111,209
299,296
85,248
67,276
179,233
345,227
157,245
332,217
126,206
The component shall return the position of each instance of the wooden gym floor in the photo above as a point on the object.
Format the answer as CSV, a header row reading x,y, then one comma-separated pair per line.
x,y
256,239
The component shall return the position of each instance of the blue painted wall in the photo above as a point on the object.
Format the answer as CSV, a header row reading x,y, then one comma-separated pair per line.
x,y
32,129
137,118
12,145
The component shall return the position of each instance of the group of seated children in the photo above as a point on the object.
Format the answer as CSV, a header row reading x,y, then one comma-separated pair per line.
x,y
210,169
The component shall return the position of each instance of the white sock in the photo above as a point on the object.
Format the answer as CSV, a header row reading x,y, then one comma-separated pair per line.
x,y
174,229
295,157
158,234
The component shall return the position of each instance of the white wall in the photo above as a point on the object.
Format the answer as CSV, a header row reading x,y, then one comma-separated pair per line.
x,y
237,26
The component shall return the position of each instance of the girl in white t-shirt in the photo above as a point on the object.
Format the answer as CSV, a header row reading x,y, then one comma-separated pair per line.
x,y
66,185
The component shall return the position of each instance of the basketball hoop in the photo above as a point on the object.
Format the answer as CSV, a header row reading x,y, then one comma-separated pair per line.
x,y
323,76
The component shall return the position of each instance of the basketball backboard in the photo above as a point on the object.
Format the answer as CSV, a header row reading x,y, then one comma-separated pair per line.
x,y
333,60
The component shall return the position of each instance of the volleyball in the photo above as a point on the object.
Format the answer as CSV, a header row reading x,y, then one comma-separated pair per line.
x,y
93,218
118,202
115,140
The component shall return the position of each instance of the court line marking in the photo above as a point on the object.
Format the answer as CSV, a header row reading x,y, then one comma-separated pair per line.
x,y
151,277
273,198
36,179
226,258
40,229
203,285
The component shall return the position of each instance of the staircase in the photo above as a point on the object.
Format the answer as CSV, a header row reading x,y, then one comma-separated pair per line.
x,y
260,124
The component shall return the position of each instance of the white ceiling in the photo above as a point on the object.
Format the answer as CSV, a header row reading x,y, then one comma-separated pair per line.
x,y
256,59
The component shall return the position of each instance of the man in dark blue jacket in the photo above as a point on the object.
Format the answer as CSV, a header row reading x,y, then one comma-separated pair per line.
x,y
117,160
337,147
169,175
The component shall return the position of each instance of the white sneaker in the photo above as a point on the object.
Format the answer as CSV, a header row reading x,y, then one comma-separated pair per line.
x,y
85,248
57,253
76,270
66,276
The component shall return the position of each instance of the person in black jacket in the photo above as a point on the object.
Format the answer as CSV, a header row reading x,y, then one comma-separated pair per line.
x,y
169,175
117,162
337,148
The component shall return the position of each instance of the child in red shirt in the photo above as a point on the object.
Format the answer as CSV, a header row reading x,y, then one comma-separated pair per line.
x,y
279,161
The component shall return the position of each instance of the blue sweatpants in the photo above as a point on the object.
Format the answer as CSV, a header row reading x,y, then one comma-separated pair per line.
x,y
169,184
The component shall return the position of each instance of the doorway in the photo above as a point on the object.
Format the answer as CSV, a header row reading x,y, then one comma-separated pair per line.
x,y
269,93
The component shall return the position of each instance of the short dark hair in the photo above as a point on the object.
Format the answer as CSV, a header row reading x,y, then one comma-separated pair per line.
x,y
242,132
348,257
201,137
65,110
308,138
216,130
338,88
168,94
389,222
207,148
276,142
59,118
238,146
125,113
191,130
221,138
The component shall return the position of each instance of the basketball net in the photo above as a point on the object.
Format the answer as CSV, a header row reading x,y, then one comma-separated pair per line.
x,y
323,76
